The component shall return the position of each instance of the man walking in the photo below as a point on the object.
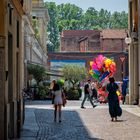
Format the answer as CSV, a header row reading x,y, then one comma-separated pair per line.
x,y
87,92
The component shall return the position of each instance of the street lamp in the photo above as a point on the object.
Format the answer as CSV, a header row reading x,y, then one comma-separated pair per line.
x,y
128,39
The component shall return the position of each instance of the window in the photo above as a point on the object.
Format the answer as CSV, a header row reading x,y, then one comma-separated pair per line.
x,y
10,66
10,13
17,33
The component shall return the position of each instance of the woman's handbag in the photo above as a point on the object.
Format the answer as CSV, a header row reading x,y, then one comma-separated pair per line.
x,y
64,99
53,96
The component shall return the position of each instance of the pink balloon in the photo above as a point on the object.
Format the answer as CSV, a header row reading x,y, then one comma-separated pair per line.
x,y
94,66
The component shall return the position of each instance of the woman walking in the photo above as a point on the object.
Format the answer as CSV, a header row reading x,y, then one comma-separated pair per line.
x,y
113,101
58,101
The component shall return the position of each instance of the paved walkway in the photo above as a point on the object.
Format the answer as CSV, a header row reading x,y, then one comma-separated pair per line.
x,y
79,124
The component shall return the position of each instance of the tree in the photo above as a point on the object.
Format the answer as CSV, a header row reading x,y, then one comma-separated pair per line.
x,y
69,11
103,19
38,72
74,73
119,20
52,29
69,17
90,18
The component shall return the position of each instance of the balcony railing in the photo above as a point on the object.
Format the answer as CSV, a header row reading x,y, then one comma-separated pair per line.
x,y
38,4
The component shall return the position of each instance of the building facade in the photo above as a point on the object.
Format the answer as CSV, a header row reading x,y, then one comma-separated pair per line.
x,y
93,40
85,45
134,51
59,59
113,40
11,68
35,37
80,40
19,45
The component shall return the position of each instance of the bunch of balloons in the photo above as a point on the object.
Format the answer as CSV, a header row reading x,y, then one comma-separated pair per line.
x,y
102,67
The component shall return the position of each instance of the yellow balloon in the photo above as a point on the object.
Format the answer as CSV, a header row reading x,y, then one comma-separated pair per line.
x,y
90,72
118,93
91,63
108,62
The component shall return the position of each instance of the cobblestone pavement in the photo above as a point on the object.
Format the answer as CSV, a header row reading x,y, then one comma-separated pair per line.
x,y
79,124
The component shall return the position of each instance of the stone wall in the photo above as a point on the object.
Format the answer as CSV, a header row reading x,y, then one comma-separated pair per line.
x,y
113,45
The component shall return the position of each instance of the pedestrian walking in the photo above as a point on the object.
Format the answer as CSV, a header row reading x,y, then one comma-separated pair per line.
x,y
113,101
52,84
51,89
94,91
124,89
58,101
87,94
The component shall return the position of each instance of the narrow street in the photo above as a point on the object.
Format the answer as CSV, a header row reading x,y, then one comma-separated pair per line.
x,y
79,124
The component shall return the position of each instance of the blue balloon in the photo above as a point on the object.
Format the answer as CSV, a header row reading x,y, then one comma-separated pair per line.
x,y
97,72
105,74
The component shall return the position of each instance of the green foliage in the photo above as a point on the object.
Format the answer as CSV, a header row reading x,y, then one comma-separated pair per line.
x,y
80,92
38,72
74,73
52,29
73,94
104,18
35,23
43,92
119,20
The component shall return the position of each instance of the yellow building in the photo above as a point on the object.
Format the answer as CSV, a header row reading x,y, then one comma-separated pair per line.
x,y
18,44
11,68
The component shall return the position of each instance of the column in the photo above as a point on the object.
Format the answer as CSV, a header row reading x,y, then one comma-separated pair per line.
x,y
131,72
2,88
139,47
136,81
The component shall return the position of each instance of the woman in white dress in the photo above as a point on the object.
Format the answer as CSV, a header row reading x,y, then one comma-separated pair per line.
x,y
58,101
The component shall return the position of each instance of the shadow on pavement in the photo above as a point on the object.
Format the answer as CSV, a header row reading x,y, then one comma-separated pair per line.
x,y
40,126
121,120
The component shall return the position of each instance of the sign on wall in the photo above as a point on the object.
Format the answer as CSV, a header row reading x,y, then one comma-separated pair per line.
x,y
59,64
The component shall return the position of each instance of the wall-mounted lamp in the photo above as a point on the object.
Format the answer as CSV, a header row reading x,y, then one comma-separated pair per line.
x,y
134,36
25,61
128,39
134,33
10,6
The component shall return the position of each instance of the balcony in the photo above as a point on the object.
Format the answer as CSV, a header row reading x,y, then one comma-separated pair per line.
x,y
37,4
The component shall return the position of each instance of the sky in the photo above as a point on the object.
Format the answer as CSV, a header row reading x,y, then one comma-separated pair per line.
x,y
109,5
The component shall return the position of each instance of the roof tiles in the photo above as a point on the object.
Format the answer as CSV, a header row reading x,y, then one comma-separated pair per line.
x,y
113,33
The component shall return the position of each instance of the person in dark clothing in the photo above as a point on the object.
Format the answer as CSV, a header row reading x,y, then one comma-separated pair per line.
x,y
113,101
87,92
94,91
124,88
